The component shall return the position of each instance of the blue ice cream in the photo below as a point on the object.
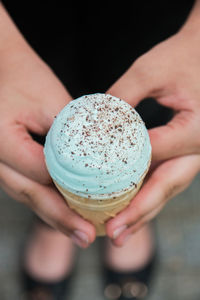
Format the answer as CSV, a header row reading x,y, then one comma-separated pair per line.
x,y
97,147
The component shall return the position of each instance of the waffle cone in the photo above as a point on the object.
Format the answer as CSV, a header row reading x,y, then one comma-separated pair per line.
x,y
99,211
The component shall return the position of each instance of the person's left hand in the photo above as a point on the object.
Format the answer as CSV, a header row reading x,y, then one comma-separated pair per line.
x,y
170,73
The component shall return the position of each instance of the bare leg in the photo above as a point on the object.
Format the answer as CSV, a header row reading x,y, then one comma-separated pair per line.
x,y
49,254
134,255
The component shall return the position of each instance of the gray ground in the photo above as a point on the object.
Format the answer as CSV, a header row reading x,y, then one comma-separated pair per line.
x,y
178,235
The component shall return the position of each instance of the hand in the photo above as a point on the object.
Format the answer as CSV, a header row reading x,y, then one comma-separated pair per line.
x,y
169,73
31,96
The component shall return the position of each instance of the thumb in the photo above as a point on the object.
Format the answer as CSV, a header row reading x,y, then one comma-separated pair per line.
x,y
23,154
138,83
178,137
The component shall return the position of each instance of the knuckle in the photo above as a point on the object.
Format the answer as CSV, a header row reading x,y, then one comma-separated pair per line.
x,y
164,187
139,67
61,225
64,222
172,189
135,228
25,192
27,195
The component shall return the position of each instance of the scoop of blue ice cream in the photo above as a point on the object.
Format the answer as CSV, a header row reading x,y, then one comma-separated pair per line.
x,y
97,147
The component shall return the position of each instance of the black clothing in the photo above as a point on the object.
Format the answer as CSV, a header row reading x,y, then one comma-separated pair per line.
x,y
89,46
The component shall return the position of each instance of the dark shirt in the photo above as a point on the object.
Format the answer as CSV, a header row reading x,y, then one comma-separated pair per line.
x,y
90,45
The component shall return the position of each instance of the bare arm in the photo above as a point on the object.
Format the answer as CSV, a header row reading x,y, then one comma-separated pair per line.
x,y
30,96
170,72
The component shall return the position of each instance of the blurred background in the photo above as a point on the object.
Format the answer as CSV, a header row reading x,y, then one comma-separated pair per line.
x,y
177,229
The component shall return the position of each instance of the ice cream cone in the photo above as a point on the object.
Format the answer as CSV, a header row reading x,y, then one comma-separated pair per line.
x,y
99,211
98,152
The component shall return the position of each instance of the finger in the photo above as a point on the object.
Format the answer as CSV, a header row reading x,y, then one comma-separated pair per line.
x,y
177,138
120,240
169,140
22,153
134,85
53,108
48,204
18,150
170,178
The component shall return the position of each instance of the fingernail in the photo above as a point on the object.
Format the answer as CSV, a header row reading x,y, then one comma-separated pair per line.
x,y
118,231
80,238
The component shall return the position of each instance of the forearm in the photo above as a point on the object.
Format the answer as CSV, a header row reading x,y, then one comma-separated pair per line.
x,y
10,36
192,23
17,57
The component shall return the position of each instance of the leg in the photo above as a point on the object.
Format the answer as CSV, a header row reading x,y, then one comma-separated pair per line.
x,y
134,255
48,254
128,269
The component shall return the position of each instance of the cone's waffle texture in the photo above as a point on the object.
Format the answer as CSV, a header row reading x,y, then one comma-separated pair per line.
x,y
99,211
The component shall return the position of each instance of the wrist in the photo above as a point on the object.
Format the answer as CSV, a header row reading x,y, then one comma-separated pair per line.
x,y
192,24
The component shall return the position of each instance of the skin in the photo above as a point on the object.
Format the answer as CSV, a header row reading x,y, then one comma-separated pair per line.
x,y
169,73
28,89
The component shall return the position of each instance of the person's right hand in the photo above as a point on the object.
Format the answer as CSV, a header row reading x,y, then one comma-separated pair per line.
x,y
30,98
